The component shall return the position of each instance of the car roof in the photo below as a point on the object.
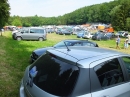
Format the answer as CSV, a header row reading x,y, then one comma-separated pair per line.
x,y
74,40
36,28
80,53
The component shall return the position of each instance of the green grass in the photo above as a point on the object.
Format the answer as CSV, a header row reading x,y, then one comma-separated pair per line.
x,y
14,58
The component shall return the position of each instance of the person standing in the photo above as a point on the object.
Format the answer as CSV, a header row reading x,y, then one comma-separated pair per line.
x,y
126,44
117,42
128,38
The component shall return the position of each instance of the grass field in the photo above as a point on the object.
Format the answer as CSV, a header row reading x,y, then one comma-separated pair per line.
x,y
14,58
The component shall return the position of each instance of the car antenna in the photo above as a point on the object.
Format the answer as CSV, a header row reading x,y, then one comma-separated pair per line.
x,y
67,47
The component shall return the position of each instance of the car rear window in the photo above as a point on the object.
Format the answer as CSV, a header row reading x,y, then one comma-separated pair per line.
x,y
53,75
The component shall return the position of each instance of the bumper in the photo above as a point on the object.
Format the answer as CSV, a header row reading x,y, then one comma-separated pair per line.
x,y
21,91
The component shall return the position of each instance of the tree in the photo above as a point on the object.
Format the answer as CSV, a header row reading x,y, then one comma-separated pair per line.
x,y
115,17
4,12
17,21
128,24
120,15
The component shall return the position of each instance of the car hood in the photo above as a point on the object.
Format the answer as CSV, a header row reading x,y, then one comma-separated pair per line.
x,y
40,51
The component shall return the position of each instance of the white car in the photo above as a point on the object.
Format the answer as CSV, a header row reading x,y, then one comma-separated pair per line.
x,y
87,35
121,33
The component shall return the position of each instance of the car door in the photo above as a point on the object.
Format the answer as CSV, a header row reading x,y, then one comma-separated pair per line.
x,y
111,78
99,36
34,34
103,36
25,34
126,62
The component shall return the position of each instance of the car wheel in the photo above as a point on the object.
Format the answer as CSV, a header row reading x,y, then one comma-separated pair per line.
x,y
40,39
19,38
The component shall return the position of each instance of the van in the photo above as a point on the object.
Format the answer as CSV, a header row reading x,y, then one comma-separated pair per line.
x,y
31,33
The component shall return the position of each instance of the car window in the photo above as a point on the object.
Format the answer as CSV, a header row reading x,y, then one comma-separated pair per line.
x,y
53,75
26,30
40,31
32,30
36,31
60,44
109,73
127,64
88,44
77,44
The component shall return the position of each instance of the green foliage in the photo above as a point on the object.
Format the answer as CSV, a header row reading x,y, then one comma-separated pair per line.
x,y
128,24
115,12
119,15
4,12
17,22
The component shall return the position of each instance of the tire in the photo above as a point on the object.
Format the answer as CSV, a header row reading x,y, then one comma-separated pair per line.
x,y
40,39
19,38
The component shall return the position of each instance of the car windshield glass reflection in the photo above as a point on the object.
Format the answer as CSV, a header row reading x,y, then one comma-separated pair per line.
x,y
60,44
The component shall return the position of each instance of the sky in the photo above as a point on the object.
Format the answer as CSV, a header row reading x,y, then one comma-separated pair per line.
x,y
48,8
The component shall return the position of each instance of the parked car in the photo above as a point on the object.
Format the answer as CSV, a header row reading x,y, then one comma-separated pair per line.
x,y
76,30
78,72
110,35
58,30
87,35
31,33
69,42
81,33
50,30
102,36
65,32
122,33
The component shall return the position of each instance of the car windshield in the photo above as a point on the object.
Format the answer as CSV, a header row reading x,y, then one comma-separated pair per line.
x,y
62,44
54,76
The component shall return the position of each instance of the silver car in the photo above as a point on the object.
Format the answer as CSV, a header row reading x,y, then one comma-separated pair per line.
x,y
31,33
78,72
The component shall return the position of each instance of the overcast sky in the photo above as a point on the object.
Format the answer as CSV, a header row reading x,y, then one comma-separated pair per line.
x,y
48,8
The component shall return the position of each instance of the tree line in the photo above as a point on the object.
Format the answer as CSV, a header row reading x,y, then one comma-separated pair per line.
x,y
116,13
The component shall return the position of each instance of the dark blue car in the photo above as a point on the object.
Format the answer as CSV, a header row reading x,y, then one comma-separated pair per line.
x,y
102,36
69,42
